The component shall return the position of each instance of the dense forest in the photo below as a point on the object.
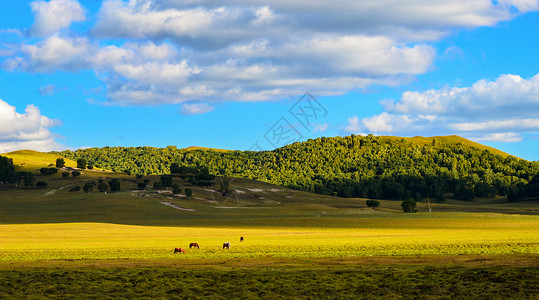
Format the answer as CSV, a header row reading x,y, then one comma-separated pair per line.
x,y
352,166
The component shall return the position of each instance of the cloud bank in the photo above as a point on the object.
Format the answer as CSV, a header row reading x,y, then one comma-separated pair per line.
x,y
176,51
489,110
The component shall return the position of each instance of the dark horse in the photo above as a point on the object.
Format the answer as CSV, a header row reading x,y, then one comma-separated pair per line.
x,y
226,245
194,245
181,250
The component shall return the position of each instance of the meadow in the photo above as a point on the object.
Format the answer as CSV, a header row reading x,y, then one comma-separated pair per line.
x,y
382,236
58,244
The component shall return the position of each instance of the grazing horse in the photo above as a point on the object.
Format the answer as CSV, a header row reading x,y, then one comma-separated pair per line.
x,y
181,250
226,245
194,245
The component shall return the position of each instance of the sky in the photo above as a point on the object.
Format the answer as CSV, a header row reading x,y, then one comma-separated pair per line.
x,y
252,75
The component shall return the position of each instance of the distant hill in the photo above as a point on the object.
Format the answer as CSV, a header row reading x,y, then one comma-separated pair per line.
x,y
31,160
449,139
353,166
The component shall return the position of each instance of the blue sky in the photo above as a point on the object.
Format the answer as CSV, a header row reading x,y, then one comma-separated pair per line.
x,y
251,75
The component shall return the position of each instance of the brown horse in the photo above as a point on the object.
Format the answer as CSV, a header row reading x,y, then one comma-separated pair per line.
x,y
181,250
226,245
194,245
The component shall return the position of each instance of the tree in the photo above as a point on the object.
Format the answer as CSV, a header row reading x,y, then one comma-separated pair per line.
x,y
48,171
7,170
88,187
60,163
81,163
188,192
114,185
408,206
75,173
158,185
429,203
176,189
373,203
102,187
28,179
41,184
65,174
174,168
166,180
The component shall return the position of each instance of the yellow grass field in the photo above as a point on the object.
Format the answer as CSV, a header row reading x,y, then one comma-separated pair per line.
x,y
492,234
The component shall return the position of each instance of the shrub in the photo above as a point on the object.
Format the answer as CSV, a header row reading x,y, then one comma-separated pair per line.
x,y
41,184
408,206
75,173
373,203
65,174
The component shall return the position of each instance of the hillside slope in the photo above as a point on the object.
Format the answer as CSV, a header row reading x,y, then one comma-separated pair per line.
x,y
352,166
31,160
449,139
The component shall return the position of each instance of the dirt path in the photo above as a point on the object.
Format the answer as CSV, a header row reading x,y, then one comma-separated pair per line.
x,y
51,192
173,205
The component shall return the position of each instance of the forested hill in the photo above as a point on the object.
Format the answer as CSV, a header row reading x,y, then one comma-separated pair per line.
x,y
353,166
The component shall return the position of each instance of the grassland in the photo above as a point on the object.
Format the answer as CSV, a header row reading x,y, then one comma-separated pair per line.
x,y
60,244
31,160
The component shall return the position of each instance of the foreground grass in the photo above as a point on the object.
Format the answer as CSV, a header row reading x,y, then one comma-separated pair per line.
x,y
445,277
373,236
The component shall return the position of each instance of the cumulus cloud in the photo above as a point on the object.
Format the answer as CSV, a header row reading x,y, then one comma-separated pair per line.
x,y
54,53
52,16
179,51
29,130
489,110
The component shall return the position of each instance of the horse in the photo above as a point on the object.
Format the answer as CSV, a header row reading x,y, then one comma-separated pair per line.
x,y
241,239
194,245
181,250
226,245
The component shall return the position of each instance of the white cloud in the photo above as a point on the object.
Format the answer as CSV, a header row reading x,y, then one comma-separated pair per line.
x,y
507,137
52,16
353,125
497,110
385,123
197,50
196,108
25,131
320,127
56,53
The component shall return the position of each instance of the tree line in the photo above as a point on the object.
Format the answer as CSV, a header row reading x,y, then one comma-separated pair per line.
x,y
353,166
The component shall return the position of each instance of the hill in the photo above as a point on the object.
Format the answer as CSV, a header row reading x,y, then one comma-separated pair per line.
x,y
352,166
449,139
31,160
